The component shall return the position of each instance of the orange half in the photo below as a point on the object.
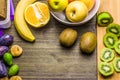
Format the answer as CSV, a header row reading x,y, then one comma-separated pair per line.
x,y
37,14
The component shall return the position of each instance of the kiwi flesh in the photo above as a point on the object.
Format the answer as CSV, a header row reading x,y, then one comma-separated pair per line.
x,y
109,40
106,69
104,18
117,47
113,28
107,55
116,64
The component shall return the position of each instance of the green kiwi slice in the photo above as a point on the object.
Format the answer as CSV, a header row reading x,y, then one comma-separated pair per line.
x,y
104,18
109,40
106,69
113,28
107,55
116,64
117,47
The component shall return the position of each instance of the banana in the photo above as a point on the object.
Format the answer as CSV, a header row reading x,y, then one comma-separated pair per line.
x,y
19,21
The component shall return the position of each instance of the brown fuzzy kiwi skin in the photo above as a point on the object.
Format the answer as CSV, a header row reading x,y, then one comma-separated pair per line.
x,y
68,37
88,42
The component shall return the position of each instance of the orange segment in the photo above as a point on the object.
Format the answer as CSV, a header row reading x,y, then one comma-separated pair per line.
x,y
37,14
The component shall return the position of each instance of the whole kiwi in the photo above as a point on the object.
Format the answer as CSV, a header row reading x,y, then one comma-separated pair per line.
x,y
67,37
88,42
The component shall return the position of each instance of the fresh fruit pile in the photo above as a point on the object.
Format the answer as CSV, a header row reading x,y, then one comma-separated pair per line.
x,y
75,10
112,44
6,41
36,14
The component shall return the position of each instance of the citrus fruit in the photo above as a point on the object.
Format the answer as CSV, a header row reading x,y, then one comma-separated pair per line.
x,y
89,3
16,50
15,78
37,14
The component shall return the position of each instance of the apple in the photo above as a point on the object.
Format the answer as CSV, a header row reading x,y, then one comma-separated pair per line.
x,y
58,5
76,11
89,3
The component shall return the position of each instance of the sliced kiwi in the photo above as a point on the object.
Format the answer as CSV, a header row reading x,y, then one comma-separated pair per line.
x,y
107,55
116,64
104,18
106,69
113,28
117,47
109,40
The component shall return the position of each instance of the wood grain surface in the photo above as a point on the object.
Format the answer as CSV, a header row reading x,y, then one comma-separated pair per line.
x,y
46,59
111,6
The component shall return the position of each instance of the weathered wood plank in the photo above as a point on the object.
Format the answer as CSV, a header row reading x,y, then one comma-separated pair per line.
x,y
46,59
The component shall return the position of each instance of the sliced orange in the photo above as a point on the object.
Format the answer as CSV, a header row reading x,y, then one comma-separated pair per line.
x,y
37,14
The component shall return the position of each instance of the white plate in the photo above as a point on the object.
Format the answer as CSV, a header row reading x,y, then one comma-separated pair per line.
x,y
60,16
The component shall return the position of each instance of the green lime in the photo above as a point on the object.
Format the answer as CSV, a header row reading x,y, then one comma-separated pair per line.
x,y
14,69
7,57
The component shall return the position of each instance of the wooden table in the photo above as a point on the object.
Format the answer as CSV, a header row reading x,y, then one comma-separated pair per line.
x,y
111,6
46,59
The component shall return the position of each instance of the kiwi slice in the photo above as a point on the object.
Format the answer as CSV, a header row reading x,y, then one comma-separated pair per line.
x,y
113,28
104,18
116,64
106,69
117,47
107,55
109,40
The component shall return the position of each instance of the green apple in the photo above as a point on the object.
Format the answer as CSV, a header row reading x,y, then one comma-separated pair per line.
x,y
76,11
58,5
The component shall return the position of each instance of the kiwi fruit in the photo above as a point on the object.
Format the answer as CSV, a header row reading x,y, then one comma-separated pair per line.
x,y
106,69
113,28
109,40
117,47
107,55
68,37
88,42
116,64
104,18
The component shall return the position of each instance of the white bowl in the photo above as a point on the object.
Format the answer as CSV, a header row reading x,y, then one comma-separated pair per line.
x,y
60,16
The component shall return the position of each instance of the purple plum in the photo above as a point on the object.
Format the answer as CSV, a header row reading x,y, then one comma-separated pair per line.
x,y
6,40
3,49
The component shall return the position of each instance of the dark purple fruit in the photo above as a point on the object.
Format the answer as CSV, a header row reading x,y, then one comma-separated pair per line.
x,y
3,70
6,40
1,32
3,49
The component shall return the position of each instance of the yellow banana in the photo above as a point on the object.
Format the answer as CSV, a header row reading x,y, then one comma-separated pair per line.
x,y
19,20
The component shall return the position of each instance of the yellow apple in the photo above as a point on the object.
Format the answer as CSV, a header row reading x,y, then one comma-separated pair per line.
x,y
58,5
76,11
89,3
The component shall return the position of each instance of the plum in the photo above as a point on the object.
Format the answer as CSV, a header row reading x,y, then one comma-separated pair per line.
x,y
3,49
6,40
3,70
